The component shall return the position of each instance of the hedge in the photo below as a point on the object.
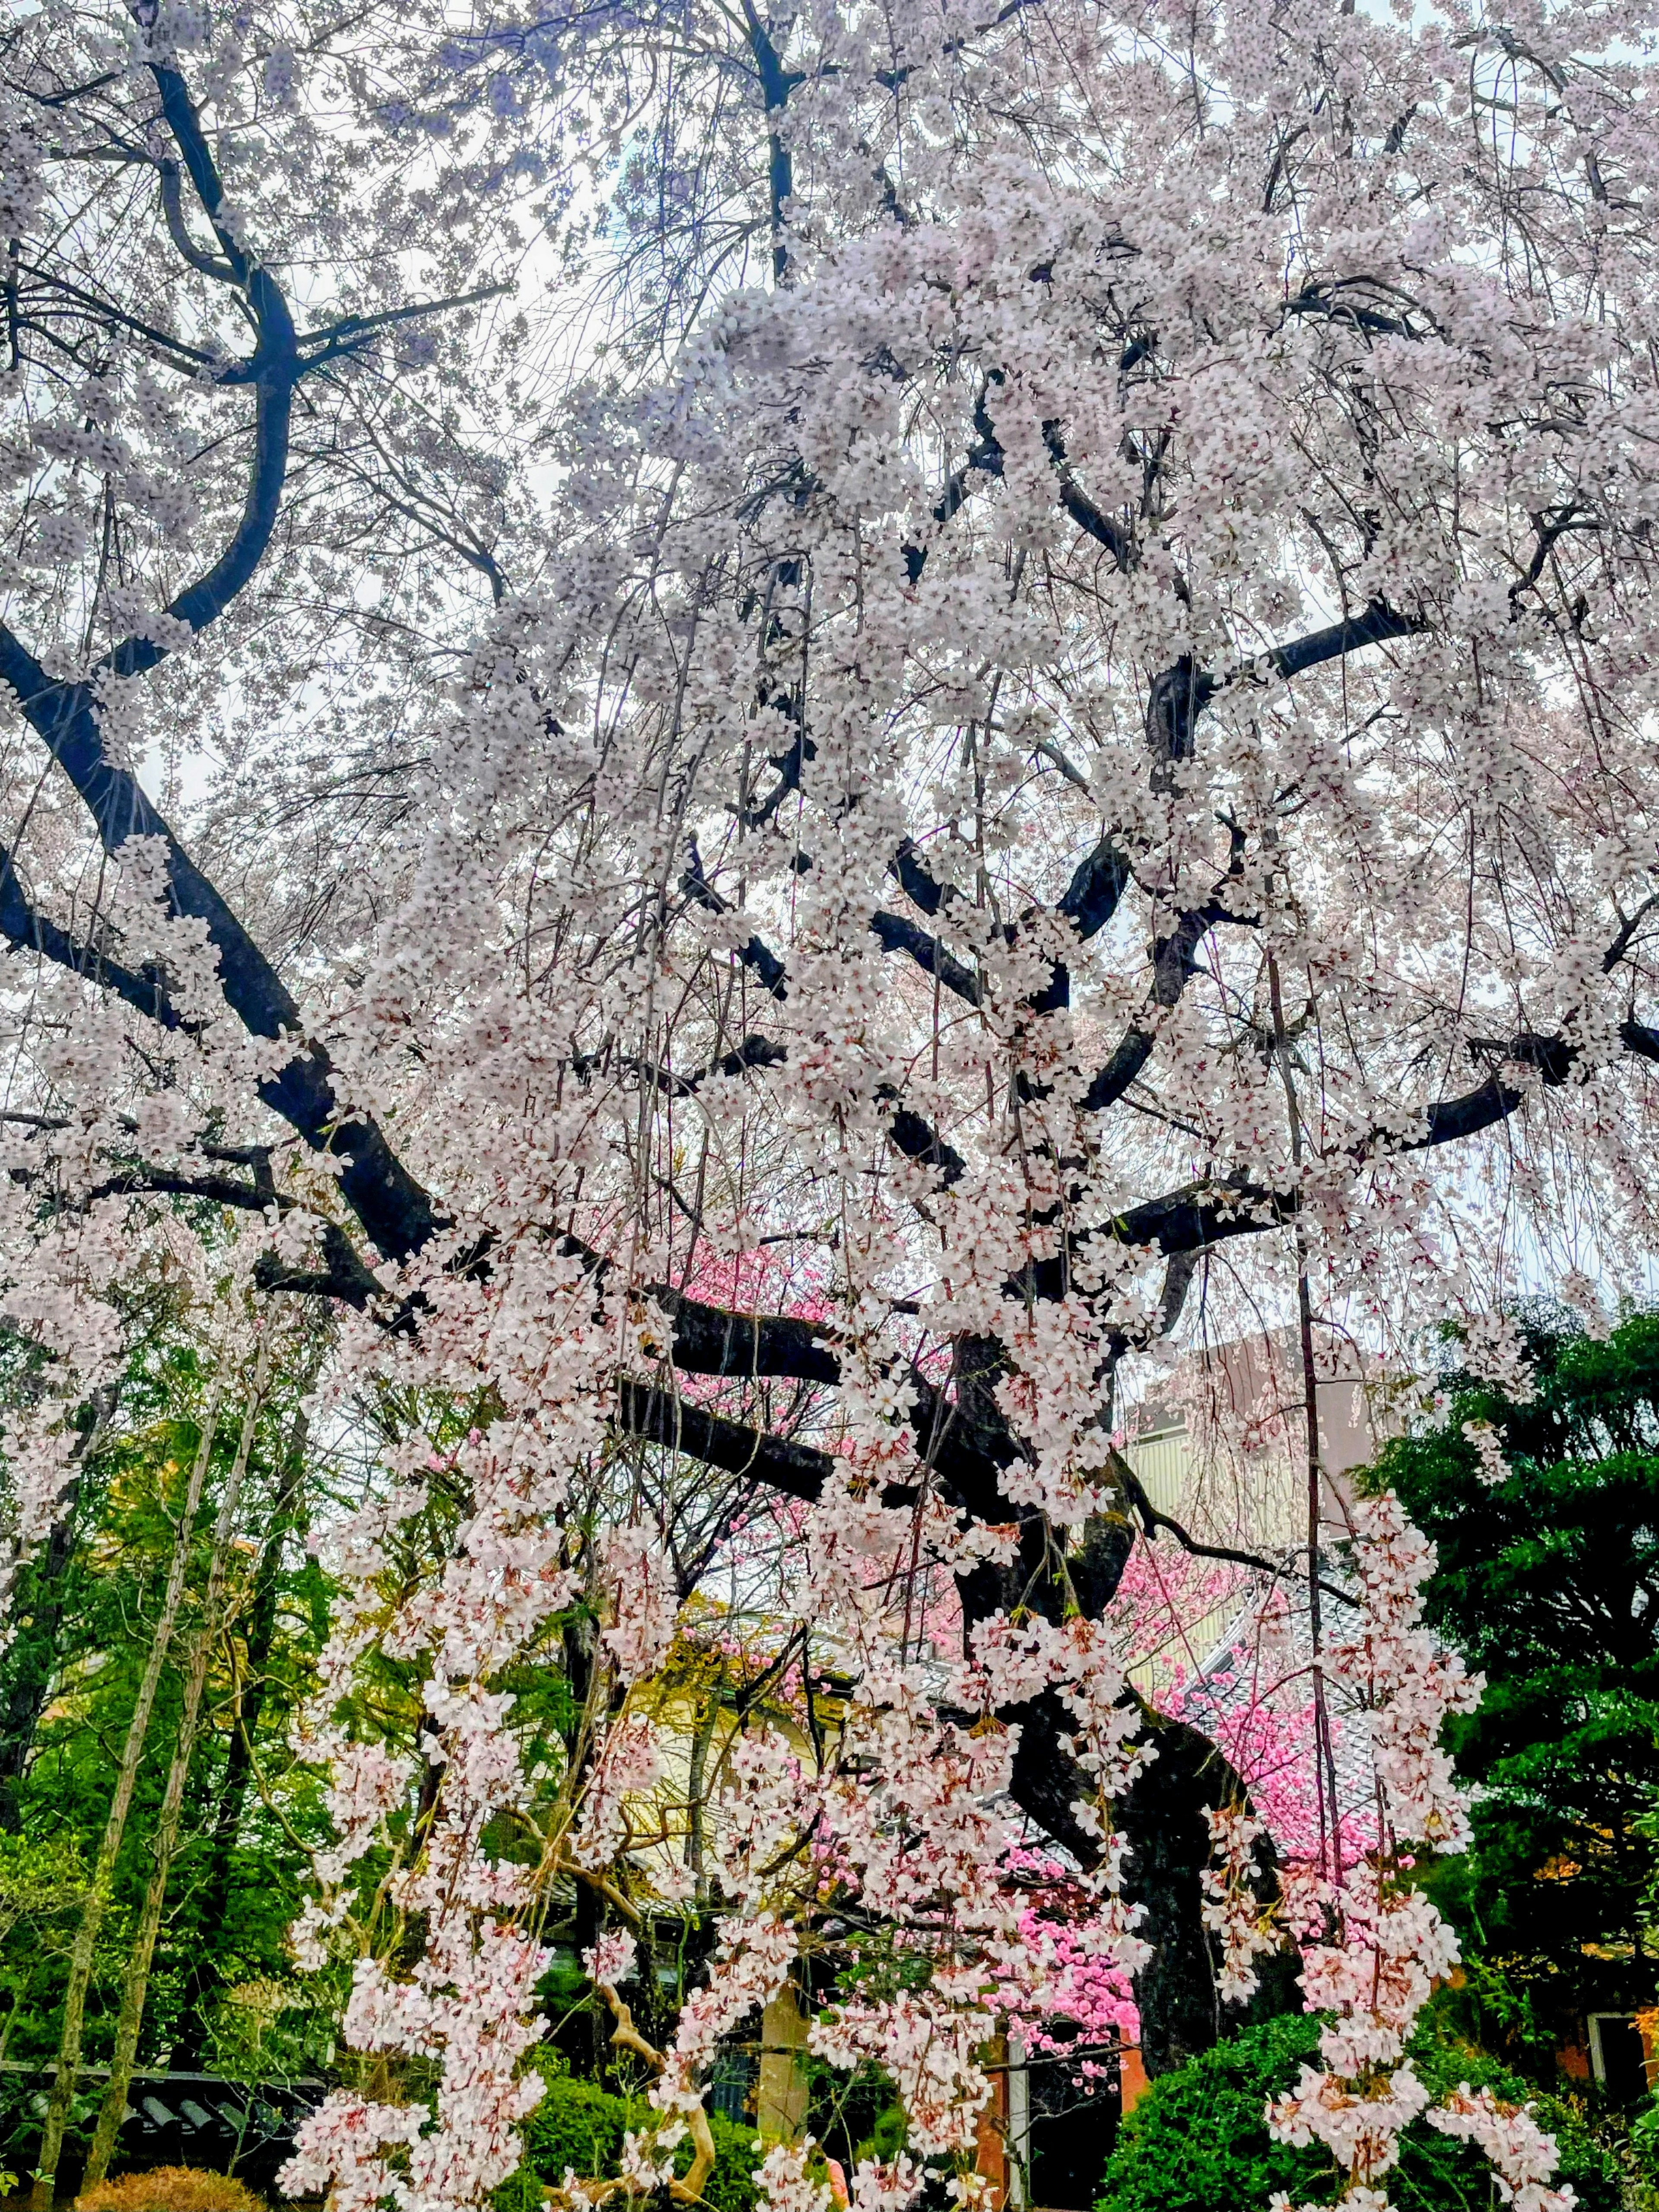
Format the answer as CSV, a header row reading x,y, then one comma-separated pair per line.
x,y
581,2126
1197,2141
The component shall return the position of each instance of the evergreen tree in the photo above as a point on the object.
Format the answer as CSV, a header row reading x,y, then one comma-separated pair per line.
x,y
1545,1509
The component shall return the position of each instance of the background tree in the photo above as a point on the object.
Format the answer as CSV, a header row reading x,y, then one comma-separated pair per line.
x,y
1543,1508
142,1558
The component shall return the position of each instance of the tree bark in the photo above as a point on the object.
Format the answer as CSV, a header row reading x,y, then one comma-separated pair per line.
x,y
1161,1813
136,1993
702,1737
109,1848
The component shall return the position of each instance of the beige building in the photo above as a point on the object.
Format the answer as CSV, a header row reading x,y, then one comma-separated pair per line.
x,y
1222,1449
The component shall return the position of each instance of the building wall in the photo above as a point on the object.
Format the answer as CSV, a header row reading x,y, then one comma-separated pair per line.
x,y
1251,1491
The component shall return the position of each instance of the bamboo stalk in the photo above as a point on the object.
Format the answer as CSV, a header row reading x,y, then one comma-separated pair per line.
x,y
135,1995
109,1848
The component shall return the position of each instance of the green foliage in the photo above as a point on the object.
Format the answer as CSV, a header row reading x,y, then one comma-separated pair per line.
x,y
41,1880
76,1635
855,2116
81,1624
736,2153
581,2126
1548,1583
1198,2140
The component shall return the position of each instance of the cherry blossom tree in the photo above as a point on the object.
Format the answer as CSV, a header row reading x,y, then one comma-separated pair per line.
x,y
1017,675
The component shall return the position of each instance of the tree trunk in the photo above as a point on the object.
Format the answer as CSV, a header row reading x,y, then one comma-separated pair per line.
x,y
1161,1815
136,1993
204,1974
109,1849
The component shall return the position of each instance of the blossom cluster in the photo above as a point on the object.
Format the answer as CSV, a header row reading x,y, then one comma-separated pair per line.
x,y
1376,1945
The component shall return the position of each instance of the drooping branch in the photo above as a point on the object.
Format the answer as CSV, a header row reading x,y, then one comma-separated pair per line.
x,y
1153,1519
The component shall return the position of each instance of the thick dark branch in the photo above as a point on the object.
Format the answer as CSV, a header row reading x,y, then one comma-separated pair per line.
x,y
1134,1050
984,459
753,1052
894,934
789,763
208,598
1175,957
1177,1281
918,1141
1096,891
171,1182
709,1340
918,885
1627,929
144,988
273,369
1161,1815
715,1341
391,1205
1379,623
1450,1119
1174,964
1187,1220
185,126
346,1277
659,1417
1090,518
1205,1214
173,208
756,955
1324,301
1178,697
393,1209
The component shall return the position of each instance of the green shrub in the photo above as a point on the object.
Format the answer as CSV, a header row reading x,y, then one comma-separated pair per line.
x,y
736,2153
1198,2140
581,2126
